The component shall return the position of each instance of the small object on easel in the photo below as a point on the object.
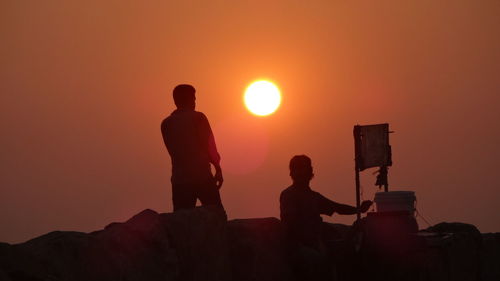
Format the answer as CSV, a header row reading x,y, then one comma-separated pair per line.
x,y
382,178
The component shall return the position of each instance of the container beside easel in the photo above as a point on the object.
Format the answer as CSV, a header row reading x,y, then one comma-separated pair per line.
x,y
396,201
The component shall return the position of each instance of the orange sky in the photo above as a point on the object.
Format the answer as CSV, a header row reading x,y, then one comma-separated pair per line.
x,y
85,86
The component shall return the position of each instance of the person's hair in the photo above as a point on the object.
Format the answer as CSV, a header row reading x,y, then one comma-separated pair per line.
x,y
301,168
183,94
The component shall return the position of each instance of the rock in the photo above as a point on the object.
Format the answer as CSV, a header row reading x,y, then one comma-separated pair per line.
x,y
199,244
457,227
491,257
4,276
199,237
456,255
137,249
258,250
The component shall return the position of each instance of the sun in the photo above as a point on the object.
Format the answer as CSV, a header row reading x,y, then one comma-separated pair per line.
x,y
262,97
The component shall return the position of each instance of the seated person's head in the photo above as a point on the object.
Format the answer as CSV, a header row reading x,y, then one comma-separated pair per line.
x,y
184,96
301,168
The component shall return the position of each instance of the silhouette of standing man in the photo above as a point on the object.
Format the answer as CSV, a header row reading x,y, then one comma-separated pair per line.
x,y
191,145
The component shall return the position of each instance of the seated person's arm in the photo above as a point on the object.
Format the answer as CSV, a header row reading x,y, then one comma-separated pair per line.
x,y
328,207
344,209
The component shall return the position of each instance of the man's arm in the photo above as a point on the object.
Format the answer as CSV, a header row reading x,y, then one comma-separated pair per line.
x,y
344,209
328,207
213,154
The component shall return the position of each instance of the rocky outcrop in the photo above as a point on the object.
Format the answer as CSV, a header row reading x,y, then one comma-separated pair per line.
x,y
454,252
134,250
189,245
200,244
490,257
258,249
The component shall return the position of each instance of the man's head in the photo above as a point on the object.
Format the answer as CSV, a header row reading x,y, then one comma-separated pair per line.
x,y
184,96
301,169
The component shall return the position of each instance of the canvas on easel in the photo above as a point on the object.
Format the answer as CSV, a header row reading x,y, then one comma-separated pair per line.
x,y
372,147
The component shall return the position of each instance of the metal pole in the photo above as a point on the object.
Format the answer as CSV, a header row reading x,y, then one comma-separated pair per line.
x,y
358,197
357,143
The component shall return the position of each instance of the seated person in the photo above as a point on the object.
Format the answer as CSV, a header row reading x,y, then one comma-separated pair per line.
x,y
301,207
300,211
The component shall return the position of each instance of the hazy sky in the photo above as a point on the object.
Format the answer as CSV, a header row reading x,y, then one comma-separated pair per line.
x,y
84,86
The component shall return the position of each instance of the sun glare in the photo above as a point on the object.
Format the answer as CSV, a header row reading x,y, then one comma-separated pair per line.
x,y
262,98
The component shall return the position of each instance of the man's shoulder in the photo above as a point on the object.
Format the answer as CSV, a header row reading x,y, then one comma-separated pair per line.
x,y
183,116
165,121
287,192
200,115
295,192
188,114
317,195
170,116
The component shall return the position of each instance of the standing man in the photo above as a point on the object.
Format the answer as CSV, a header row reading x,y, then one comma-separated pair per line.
x,y
191,145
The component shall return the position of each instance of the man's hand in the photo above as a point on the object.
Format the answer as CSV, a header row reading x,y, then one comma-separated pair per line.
x,y
365,206
218,177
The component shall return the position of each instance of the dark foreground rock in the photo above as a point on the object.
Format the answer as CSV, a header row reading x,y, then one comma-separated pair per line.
x,y
200,245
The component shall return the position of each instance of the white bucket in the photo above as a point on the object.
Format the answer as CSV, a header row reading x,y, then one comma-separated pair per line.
x,y
395,201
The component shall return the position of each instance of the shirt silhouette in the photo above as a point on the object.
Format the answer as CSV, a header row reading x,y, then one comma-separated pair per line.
x,y
191,145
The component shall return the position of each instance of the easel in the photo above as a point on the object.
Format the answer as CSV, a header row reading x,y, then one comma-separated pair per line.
x,y
371,149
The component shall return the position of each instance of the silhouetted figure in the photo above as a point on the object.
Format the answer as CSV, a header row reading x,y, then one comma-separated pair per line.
x,y
191,145
300,211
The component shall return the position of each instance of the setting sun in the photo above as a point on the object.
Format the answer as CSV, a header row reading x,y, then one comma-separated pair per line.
x,y
262,98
